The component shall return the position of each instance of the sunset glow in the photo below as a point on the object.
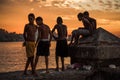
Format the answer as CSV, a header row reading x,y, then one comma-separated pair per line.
x,y
13,14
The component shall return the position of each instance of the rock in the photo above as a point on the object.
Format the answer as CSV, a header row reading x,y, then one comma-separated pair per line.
x,y
112,66
102,45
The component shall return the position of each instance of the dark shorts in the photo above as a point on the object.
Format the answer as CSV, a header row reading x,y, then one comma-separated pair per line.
x,y
43,48
83,32
62,48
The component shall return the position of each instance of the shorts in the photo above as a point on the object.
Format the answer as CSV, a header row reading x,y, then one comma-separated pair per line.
x,y
43,48
30,48
83,32
62,48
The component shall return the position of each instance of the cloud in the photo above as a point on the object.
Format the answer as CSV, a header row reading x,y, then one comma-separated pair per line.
x,y
84,4
32,9
66,18
31,0
111,5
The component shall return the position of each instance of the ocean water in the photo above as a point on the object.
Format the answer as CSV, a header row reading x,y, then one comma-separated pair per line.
x,y
13,57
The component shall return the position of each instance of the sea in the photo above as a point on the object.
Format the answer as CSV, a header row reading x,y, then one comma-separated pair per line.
x,y
13,57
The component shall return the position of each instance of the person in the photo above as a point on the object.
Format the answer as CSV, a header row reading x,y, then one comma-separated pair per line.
x,y
61,45
74,37
43,42
29,37
86,31
92,20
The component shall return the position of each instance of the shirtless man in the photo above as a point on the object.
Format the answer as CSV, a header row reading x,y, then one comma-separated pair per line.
x,y
61,46
29,37
43,41
86,31
92,20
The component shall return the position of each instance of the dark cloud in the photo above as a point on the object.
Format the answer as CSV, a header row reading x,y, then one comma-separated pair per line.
x,y
13,6
4,1
88,4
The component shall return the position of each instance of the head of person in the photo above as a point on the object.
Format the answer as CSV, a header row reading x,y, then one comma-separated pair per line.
x,y
31,18
39,20
80,15
86,14
59,20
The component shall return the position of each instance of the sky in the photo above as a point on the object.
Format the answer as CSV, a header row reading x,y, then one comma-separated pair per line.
x,y
13,13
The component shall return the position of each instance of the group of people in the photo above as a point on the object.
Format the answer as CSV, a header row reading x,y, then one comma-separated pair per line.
x,y
88,29
44,38
43,42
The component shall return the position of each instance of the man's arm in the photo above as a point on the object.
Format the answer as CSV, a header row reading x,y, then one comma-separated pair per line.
x,y
95,25
25,33
39,36
53,30
66,31
72,37
50,34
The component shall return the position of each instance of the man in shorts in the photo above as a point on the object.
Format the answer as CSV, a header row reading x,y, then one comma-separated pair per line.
x,y
29,37
43,41
61,45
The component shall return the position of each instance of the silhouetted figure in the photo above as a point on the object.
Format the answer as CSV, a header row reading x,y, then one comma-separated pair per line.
x,y
43,41
29,37
92,20
61,45
86,31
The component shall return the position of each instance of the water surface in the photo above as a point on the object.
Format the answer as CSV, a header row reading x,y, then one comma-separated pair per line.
x,y
13,57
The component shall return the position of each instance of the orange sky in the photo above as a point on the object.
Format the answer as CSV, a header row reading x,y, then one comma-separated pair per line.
x,y
13,18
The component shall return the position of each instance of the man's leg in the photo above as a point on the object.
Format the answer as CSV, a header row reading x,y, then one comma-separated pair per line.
x,y
32,64
46,62
26,66
57,65
36,61
72,38
62,60
76,39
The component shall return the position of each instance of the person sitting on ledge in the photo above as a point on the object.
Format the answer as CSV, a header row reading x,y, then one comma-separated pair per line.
x,y
92,20
87,30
